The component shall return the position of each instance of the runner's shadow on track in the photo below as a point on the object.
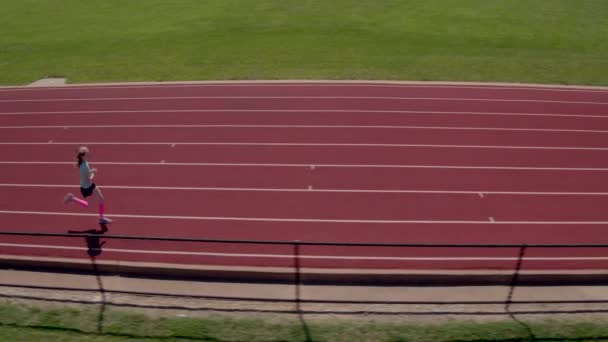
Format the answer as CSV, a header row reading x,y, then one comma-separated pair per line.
x,y
93,241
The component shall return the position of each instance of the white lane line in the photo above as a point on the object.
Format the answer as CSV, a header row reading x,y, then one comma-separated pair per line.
x,y
303,220
456,128
127,143
158,98
304,256
310,188
284,111
317,83
383,166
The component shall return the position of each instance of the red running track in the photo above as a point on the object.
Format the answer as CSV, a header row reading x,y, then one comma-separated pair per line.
x,y
313,162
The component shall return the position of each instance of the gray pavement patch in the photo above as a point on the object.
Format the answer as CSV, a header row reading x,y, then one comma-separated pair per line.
x,y
48,82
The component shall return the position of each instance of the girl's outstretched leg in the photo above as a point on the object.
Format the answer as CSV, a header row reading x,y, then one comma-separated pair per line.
x,y
100,200
71,198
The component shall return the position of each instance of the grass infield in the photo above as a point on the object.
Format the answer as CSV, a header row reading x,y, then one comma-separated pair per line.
x,y
57,323
540,41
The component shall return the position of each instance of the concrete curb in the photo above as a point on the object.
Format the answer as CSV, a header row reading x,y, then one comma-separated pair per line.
x,y
307,276
312,82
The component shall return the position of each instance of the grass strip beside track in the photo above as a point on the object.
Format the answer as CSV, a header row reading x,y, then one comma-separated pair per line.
x,y
557,41
62,323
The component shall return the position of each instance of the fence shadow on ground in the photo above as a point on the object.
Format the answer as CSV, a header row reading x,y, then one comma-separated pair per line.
x,y
94,249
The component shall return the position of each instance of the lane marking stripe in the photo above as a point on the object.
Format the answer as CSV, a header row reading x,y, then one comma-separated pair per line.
x,y
159,98
462,128
172,111
387,166
288,256
174,144
316,189
307,220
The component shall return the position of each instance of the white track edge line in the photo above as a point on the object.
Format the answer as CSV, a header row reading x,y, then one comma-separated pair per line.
x,y
388,166
457,128
299,111
160,98
322,190
174,144
316,83
306,220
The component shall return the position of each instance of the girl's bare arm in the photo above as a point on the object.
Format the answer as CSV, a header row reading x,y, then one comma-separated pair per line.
x,y
92,173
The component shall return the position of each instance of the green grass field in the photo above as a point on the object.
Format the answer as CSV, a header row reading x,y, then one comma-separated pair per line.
x,y
545,41
31,324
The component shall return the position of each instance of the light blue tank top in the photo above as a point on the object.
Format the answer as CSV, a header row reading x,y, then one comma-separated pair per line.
x,y
85,182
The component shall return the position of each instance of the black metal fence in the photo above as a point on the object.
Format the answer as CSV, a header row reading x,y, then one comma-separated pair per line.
x,y
313,243
295,256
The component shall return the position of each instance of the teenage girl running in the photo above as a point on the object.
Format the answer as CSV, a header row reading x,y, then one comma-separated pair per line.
x,y
87,187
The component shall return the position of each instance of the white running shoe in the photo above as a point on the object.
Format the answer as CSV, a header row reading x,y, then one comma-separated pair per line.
x,y
105,220
68,198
